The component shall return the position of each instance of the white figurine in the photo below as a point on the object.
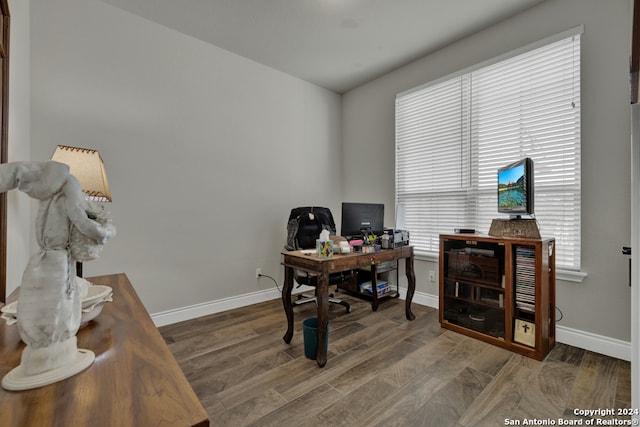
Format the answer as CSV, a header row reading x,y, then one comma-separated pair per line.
x,y
49,305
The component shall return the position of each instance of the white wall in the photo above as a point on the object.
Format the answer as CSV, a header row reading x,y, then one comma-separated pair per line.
x,y
206,152
600,304
19,224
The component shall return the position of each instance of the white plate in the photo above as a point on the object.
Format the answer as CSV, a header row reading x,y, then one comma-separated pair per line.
x,y
96,293
11,308
92,305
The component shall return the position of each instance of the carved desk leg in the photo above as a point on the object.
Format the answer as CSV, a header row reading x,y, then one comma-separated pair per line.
x,y
411,279
323,317
286,302
374,288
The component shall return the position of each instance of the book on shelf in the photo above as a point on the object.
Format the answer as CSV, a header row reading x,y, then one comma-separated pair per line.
x,y
524,332
382,288
525,278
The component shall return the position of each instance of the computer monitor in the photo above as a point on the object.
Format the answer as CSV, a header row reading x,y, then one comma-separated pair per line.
x,y
515,188
360,217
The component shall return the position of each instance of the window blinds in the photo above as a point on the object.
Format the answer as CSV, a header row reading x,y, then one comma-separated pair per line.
x,y
454,134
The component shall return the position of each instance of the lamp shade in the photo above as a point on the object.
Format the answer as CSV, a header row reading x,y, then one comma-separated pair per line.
x,y
88,168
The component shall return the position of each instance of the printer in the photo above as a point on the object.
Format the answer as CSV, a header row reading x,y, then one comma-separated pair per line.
x,y
392,238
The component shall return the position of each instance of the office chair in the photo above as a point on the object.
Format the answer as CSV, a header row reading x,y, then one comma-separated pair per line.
x,y
303,228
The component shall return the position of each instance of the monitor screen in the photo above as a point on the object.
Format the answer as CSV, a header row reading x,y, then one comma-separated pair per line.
x,y
515,188
359,216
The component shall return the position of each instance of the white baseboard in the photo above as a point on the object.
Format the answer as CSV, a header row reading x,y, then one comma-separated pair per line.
x,y
422,298
198,310
597,343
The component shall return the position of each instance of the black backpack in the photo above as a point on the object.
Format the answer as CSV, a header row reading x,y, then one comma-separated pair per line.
x,y
305,225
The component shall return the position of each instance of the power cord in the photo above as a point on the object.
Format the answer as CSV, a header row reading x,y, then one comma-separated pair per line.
x,y
561,314
274,281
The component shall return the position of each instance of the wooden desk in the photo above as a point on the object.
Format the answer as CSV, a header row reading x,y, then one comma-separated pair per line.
x,y
322,267
134,381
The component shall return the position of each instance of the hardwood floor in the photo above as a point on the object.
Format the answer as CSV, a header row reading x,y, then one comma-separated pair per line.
x,y
382,370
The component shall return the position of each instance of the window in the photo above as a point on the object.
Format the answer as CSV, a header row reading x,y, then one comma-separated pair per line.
x,y
452,135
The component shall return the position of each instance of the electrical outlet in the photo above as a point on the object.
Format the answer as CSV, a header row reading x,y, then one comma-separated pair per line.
x,y
258,273
432,276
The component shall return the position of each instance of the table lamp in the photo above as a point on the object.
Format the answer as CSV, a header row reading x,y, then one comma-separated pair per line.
x,y
88,168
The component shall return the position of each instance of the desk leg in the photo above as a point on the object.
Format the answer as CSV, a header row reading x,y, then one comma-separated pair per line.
x,y
374,288
286,302
322,294
411,279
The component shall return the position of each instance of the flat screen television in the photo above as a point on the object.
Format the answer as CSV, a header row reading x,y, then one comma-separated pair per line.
x,y
515,188
357,217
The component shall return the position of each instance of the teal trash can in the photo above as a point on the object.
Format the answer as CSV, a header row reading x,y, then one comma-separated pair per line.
x,y
310,331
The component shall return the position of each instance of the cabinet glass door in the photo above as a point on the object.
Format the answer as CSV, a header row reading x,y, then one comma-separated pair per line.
x,y
474,286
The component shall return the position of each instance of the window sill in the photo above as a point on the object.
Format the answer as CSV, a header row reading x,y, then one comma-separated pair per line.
x,y
426,257
570,275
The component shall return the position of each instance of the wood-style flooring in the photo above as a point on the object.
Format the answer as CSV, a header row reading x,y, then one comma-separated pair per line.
x,y
382,370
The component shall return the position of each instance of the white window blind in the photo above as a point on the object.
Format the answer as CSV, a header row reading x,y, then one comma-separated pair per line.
x,y
454,134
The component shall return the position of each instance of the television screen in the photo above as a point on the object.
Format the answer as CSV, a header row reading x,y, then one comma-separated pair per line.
x,y
515,188
361,216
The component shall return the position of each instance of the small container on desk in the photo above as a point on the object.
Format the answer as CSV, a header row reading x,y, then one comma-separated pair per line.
x,y
324,248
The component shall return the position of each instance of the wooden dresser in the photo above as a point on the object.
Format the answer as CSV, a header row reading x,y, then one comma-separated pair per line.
x,y
134,381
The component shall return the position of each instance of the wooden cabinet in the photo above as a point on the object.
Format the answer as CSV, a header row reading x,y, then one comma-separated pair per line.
x,y
500,290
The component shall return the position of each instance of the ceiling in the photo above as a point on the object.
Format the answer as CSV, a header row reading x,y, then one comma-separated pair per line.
x,y
336,44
